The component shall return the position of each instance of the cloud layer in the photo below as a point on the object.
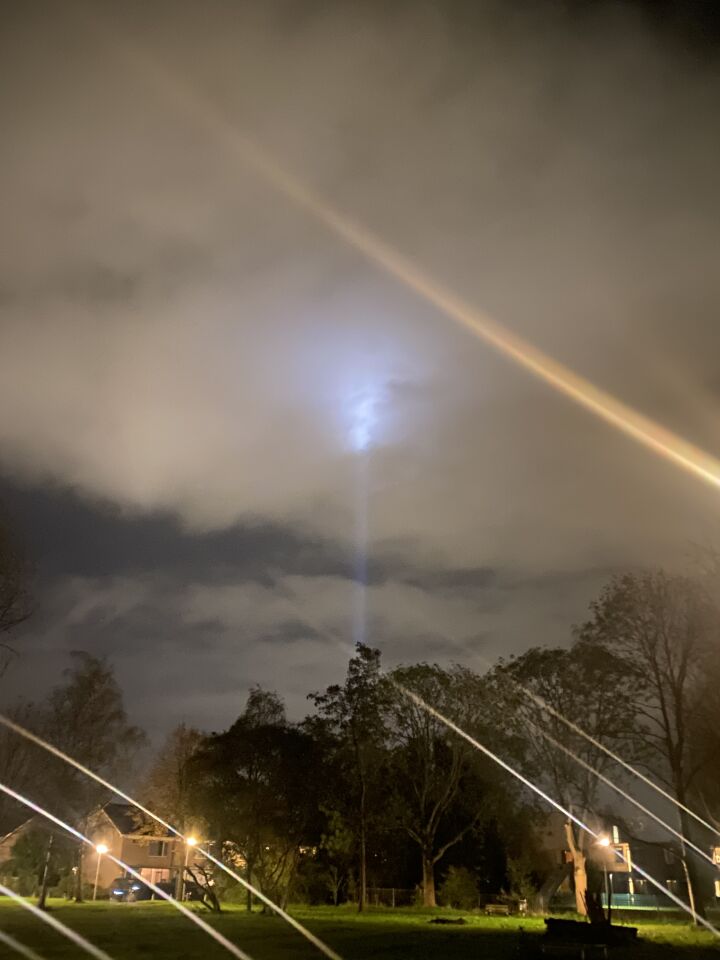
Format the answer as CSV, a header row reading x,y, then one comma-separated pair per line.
x,y
181,342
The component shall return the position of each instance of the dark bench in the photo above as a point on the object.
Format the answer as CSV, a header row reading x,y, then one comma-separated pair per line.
x,y
497,910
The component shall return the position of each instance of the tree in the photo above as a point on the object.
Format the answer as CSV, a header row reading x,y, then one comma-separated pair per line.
x,y
170,787
663,628
354,713
259,784
336,842
15,602
440,793
21,763
589,687
86,719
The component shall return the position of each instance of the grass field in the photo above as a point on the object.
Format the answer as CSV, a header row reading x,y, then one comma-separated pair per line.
x,y
153,930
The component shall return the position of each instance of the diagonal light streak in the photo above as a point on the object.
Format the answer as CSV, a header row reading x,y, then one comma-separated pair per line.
x,y
598,744
19,947
38,741
409,274
544,705
51,921
418,700
193,917
627,796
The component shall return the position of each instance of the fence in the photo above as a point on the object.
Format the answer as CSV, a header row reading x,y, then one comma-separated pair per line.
x,y
639,901
390,897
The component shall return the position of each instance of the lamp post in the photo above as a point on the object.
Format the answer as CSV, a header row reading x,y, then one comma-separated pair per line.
x,y
605,842
100,850
190,842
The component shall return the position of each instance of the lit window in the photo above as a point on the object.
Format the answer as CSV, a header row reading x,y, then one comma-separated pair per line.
x,y
716,854
717,888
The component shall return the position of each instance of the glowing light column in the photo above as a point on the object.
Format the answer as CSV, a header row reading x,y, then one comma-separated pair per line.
x,y
363,415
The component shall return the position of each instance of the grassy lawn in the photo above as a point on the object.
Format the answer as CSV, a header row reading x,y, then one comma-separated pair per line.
x,y
154,930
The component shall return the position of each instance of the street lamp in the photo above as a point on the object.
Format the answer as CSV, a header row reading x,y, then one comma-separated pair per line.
x,y
100,849
605,842
189,843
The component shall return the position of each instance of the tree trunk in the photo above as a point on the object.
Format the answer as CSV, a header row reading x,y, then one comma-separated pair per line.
x,y
362,898
428,880
579,871
248,875
45,874
79,877
580,880
689,868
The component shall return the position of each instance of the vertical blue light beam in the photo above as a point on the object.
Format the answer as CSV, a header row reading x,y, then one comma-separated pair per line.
x,y
364,416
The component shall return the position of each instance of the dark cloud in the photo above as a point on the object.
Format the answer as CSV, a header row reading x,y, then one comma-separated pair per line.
x,y
187,359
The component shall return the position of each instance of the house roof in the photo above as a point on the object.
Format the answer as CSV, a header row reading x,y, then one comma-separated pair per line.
x,y
129,821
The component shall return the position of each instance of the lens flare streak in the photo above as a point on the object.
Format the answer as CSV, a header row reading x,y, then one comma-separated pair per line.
x,y
18,947
51,921
627,796
250,152
206,928
614,756
544,705
38,741
411,695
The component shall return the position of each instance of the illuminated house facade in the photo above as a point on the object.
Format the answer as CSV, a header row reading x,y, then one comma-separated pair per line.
x,y
130,837
133,838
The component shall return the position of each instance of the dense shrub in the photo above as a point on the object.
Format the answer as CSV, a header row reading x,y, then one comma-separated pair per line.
x,y
459,889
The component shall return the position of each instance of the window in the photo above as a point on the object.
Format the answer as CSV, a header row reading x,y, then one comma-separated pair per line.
x,y
158,848
717,888
668,855
671,885
155,874
716,854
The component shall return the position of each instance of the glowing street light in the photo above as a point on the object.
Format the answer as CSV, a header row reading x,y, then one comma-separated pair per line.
x,y
603,841
190,842
100,849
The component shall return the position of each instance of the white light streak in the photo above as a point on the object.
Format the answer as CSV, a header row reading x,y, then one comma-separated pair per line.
x,y
18,947
193,917
51,921
548,799
33,738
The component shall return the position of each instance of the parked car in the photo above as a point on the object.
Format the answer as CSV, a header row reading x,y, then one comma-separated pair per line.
x,y
130,890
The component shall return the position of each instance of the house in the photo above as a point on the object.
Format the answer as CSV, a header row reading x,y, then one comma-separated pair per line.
x,y
619,865
626,858
156,854
131,836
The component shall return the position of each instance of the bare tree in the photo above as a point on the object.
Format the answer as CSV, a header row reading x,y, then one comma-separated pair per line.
x,y
663,627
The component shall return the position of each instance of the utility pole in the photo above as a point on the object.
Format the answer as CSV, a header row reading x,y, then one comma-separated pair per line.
x,y
46,873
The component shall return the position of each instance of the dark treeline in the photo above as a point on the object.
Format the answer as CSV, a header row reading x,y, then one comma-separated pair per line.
x,y
371,790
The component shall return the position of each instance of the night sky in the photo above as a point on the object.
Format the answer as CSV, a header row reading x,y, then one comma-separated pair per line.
x,y
189,362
